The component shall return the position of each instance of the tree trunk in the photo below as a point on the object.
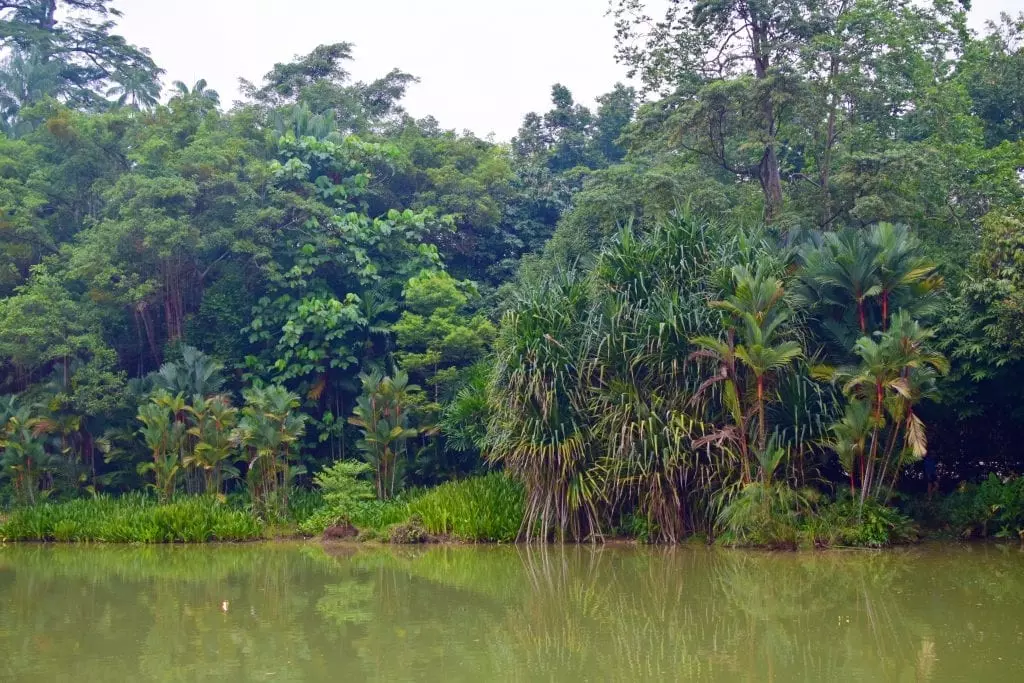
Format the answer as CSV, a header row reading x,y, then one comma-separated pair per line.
x,y
771,181
824,174
768,169
761,431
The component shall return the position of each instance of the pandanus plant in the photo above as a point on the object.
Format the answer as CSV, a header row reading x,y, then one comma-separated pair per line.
x,y
537,425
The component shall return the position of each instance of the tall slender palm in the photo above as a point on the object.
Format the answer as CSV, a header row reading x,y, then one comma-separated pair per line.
x,y
849,438
165,437
214,418
268,431
755,312
23,456
200,92
136,89
383,413
887,378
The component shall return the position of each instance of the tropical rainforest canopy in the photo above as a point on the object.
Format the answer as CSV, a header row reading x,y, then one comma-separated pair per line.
x,y
791,256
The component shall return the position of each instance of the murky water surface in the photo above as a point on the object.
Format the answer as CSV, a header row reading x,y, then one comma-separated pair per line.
x,y
308,613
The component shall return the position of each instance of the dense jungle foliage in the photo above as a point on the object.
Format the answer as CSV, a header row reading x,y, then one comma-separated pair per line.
x,y
744,298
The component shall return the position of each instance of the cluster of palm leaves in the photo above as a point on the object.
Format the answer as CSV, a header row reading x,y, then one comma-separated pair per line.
x,y
191,426
41,446
686,366
24,458
383,412
868,292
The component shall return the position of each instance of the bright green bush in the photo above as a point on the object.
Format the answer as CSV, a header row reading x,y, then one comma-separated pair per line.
x,y
343,493
131,519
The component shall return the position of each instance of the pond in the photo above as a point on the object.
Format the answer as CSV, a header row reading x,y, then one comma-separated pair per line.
x,y
283,612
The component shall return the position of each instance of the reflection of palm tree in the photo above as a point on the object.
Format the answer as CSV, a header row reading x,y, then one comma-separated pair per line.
x,y
348,602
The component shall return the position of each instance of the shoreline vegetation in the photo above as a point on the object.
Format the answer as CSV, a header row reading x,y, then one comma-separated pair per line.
x,y
769,295
489,510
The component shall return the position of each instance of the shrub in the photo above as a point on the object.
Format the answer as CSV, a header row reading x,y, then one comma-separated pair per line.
x,y
343,494
764,515
848,523
409,531
991,508
640,527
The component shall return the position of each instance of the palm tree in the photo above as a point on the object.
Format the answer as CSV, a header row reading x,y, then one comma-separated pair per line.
x,y
723,355
25,78
136,89
901,267
195,376
164,435
755,311
268,431
383,413
843,269
214,418
890,379
849,438
207,97
23,456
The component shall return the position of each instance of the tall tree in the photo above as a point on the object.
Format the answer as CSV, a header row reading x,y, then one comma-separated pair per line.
x,y
77,36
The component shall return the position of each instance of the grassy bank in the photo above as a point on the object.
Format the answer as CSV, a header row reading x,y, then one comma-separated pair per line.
x,y
489,509
131,519
479,509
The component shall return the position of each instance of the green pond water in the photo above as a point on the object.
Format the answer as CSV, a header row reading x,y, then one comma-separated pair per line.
x,y
282,612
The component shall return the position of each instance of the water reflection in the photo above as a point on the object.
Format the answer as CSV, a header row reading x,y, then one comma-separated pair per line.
x,y
273,612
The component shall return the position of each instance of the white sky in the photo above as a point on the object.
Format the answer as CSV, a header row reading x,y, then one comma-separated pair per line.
x,y
482,64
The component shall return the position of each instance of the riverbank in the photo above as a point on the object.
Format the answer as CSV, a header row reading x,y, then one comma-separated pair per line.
x,y
489,509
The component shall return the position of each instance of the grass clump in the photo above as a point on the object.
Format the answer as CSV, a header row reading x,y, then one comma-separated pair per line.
x,y
478,509
764,515
132,519
487,508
